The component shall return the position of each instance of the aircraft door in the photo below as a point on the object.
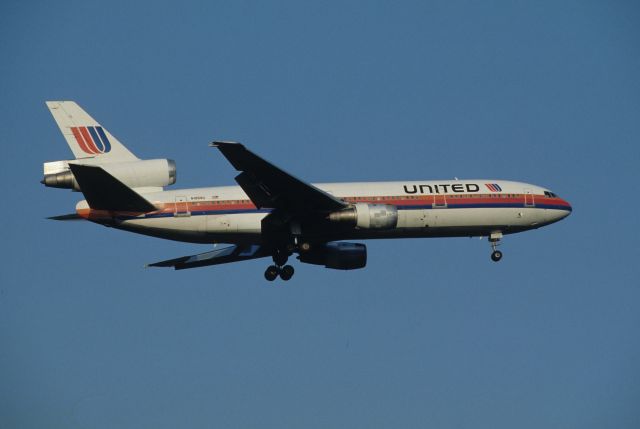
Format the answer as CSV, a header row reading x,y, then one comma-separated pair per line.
x,y
182,207
529,200
439,201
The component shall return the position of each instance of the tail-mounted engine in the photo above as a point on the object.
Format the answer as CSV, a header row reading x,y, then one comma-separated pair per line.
x,y
135,174
367,216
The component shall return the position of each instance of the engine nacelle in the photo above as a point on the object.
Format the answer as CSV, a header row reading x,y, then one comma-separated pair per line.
x,y
338,255
135,174
367,216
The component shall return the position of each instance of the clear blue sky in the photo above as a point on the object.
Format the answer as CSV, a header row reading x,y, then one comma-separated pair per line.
x,y
431,333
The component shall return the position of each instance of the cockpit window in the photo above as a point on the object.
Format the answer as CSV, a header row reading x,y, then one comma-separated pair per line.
x,y
550,194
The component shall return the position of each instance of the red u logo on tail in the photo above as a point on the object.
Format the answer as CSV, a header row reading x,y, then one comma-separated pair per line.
x,y
92,140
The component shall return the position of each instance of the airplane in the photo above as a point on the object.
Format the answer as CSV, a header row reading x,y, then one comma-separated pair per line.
x,y
273,214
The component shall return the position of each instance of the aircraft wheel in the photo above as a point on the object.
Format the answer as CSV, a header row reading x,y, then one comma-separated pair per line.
x,y
496,255
271,273
286,272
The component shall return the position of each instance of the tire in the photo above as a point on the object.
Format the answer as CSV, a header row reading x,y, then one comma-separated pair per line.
x,y
271,273
496,255
286,272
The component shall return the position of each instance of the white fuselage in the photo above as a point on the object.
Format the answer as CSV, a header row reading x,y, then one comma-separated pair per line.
x,y
425,209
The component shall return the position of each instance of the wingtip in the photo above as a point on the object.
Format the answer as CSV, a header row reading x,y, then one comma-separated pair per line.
x,y
221,143
153,265
71,216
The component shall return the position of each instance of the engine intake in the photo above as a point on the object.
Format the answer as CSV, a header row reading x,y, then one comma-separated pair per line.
x,y
367,216
337,255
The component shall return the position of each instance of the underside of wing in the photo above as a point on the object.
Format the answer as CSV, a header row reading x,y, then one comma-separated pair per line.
x,y
225,255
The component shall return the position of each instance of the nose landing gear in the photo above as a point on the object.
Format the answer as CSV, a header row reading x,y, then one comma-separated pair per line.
x,y
494,239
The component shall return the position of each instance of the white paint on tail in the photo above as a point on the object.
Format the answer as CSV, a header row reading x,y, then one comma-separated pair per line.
x,y
85,136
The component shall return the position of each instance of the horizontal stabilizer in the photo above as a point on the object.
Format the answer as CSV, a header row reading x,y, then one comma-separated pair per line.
x,y
105,192
71,216
215,257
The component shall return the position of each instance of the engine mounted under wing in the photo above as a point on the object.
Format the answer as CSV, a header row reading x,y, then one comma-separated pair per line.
x,y
224,255
271,187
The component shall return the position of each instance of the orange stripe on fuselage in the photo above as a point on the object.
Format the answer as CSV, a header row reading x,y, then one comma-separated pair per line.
x,y
93,214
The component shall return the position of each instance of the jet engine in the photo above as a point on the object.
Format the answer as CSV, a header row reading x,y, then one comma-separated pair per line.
x,y
337,255
134,174
367,216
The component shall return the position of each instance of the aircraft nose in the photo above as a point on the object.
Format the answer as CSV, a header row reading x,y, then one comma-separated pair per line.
x,y
570,209
560,209
566,210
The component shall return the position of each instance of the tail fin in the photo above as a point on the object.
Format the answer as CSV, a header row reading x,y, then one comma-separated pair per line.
x,y
85,136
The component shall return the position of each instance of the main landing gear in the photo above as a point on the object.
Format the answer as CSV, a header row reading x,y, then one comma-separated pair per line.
x,y
279,269
494,239
273,271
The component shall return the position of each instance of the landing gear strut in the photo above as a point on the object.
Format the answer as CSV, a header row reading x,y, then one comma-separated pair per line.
x,y
280,258
494,239
279,269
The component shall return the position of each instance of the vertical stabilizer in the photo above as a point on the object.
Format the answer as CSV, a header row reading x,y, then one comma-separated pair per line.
x,y
85,136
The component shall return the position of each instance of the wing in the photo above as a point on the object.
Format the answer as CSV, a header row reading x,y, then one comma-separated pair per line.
x,y
225,255
269,186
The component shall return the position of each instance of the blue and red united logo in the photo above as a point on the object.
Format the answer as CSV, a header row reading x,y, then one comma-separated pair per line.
x,y
92,140
493,187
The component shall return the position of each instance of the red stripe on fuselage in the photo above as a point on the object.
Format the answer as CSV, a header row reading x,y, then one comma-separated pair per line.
x,y
454,199
407,202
